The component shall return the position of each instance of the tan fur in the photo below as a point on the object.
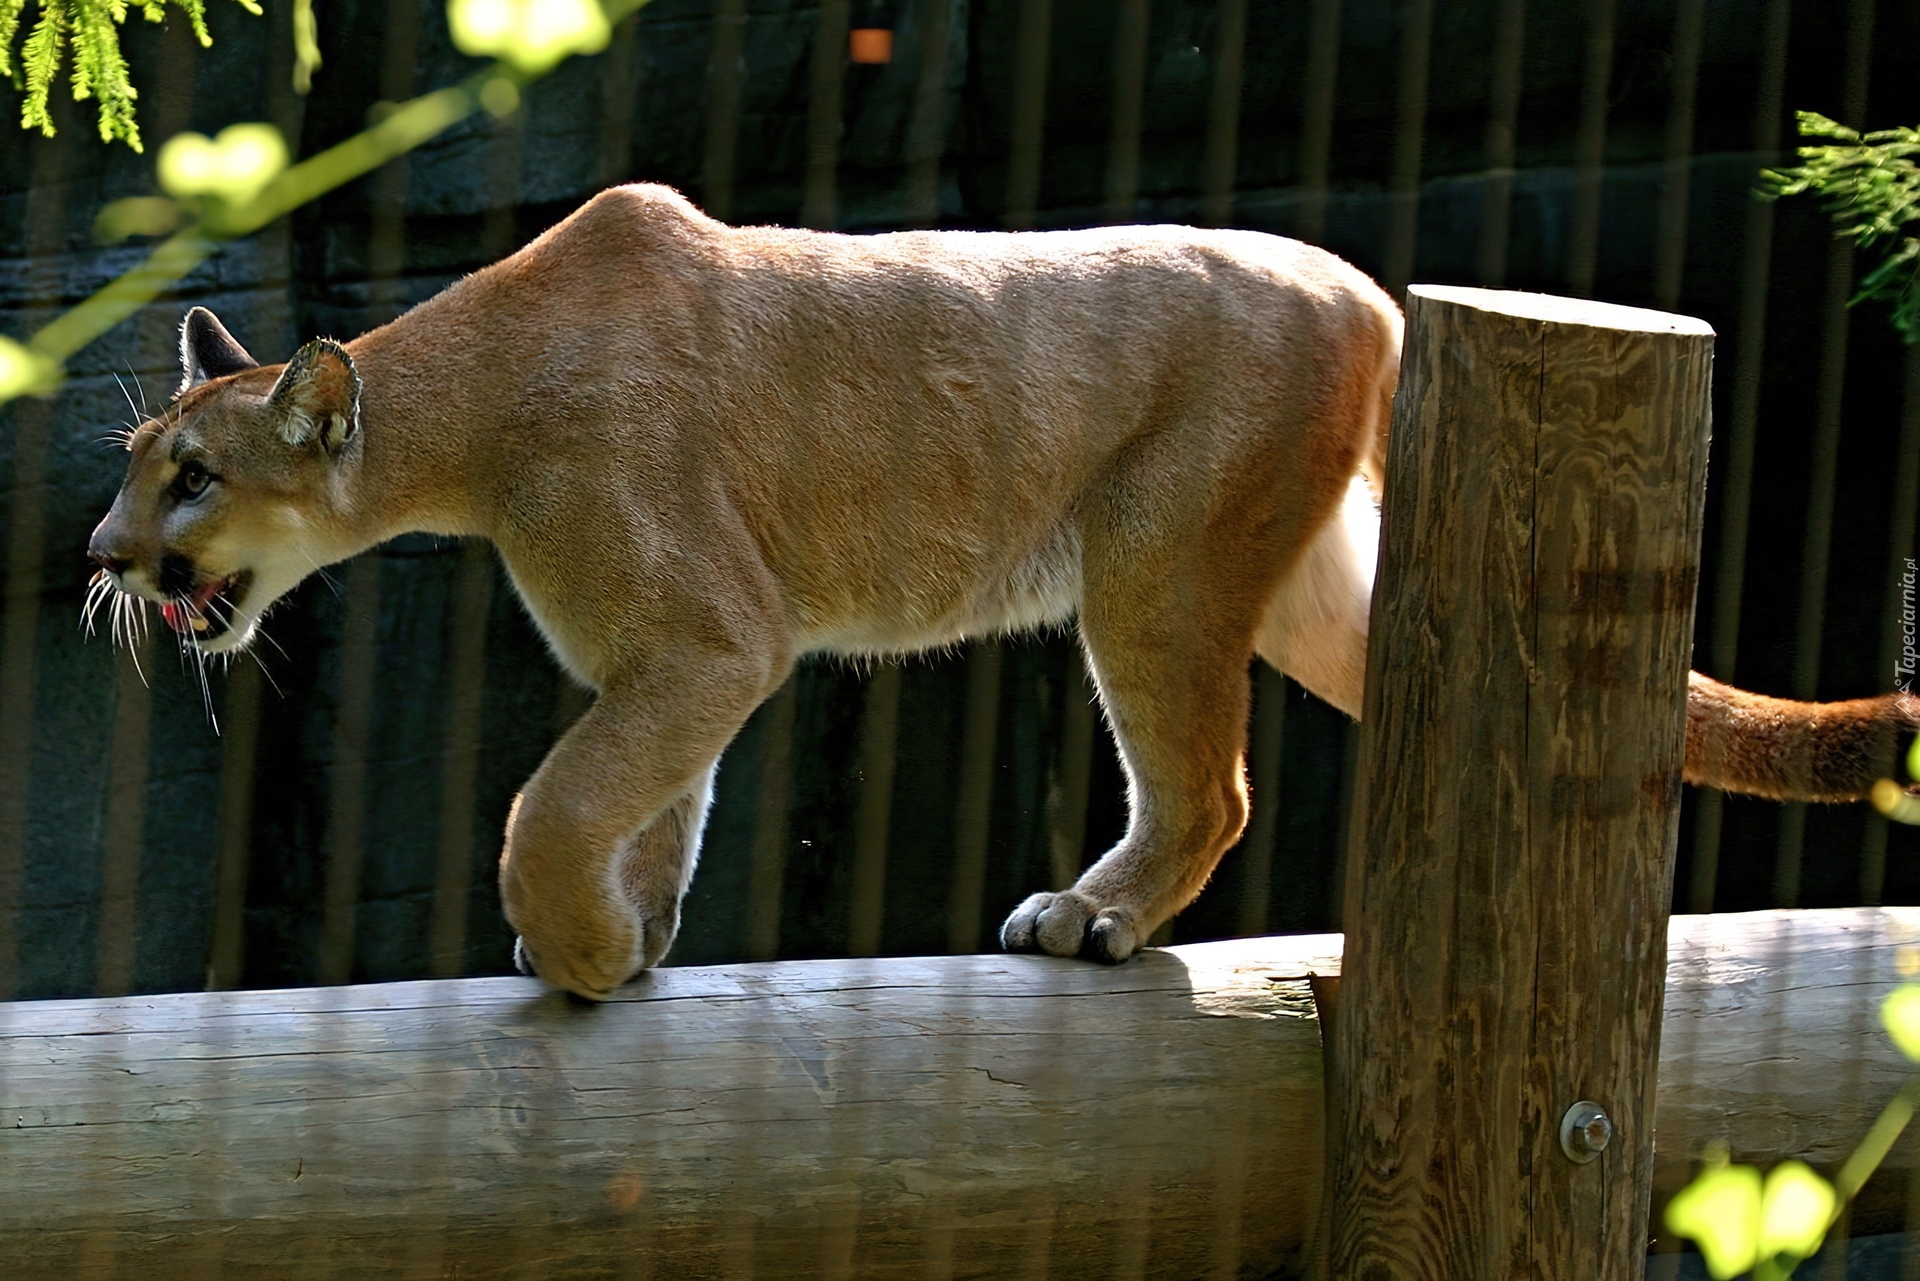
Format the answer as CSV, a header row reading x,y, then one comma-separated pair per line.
x,y
704,451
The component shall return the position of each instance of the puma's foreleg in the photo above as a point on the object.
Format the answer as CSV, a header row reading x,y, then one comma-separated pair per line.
x,y
601,844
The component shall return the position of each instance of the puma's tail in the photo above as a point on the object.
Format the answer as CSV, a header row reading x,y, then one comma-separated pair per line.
x,y
1787,751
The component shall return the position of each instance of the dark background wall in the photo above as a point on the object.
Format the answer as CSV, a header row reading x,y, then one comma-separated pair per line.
x,y
138,848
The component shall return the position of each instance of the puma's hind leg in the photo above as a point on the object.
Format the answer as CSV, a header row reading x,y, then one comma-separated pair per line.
x,y
1315,627
1176,692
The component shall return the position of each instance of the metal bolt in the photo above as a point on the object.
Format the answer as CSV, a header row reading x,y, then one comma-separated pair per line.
x,y
1585,1132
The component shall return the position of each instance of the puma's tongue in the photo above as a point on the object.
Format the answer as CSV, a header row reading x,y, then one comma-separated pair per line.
x,y
191,615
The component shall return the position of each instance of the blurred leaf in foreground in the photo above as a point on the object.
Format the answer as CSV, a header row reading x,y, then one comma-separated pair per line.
x,y
1900,1014
1720,1212
532,35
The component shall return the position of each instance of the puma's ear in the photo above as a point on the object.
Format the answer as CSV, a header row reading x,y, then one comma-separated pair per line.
x,y
318,397
207,350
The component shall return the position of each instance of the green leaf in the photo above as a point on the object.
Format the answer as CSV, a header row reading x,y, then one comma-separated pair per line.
x,y
1900,1015
1720,1212
1795,1211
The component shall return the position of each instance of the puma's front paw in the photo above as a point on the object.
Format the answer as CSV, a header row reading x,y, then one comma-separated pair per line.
x,y
591,963
591,978
1070,924
523,962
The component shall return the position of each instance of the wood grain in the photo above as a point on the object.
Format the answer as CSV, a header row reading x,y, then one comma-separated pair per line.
x,y
1518,800
798,1119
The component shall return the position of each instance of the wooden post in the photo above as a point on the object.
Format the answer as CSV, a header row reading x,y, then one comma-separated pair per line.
x,y
1515,821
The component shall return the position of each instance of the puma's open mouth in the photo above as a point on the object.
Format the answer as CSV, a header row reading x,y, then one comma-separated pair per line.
x,y
207,612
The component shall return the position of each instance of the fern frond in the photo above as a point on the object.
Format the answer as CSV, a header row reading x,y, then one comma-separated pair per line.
x,y
1869,184
97,59
98,69
196,11
10,11
40,60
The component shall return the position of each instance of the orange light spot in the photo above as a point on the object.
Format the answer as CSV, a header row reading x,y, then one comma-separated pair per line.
x,y
870,44
624,1191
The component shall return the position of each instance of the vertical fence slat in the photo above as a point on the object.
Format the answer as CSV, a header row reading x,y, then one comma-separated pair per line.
x,y
117,930
33,421
386,240
1068,789
1503,113
500,231
1263,827
1029,117
460,756
239,742
1410,121
767,876
724,70
1129,87
1316,116
1670,244
347,794
826,79
1589,150
27,509
927,127
1736,484
973,805
619,87
873,821
1823,459
1223,113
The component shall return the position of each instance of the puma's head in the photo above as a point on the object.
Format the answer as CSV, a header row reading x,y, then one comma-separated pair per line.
x,y
230,497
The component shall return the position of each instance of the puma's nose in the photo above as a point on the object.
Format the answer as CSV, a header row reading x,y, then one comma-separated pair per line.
x,y
97,553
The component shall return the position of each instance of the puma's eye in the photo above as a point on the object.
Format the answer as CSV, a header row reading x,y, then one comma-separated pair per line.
x,y
192,479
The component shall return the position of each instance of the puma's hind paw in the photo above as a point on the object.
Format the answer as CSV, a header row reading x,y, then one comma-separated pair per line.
x,y
1070,924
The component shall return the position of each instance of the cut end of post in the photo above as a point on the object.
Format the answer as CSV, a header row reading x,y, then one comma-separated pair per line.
x,y
1562,311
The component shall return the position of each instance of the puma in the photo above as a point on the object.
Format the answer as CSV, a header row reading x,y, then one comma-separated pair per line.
x,y
704,451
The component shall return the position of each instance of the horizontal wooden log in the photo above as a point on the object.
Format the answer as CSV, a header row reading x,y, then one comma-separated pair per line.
x,y
1772,1044
960,1116
993,1116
